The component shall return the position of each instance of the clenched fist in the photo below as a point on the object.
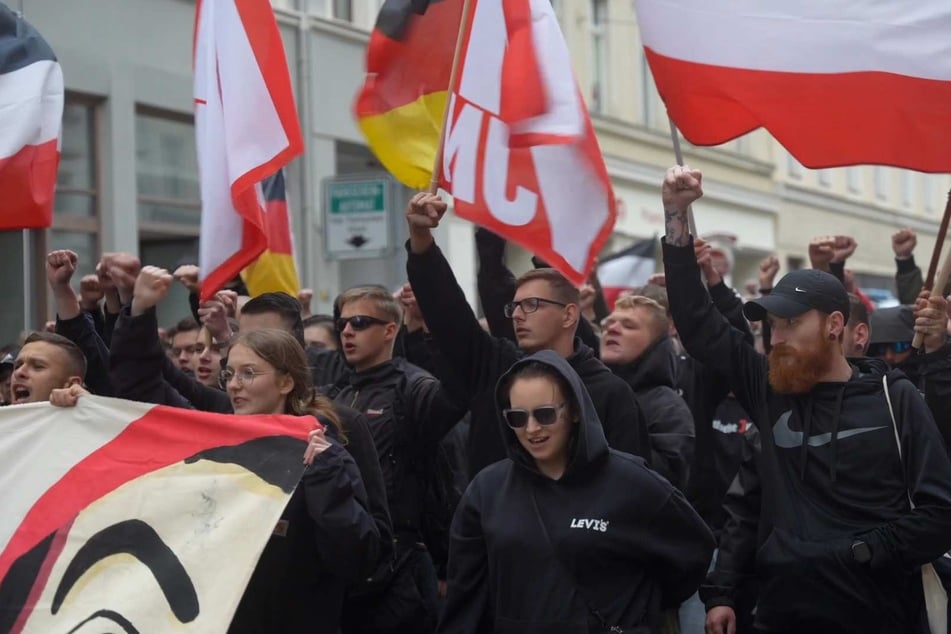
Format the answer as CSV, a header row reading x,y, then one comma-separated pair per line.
x,y
903,243
60,266
151,287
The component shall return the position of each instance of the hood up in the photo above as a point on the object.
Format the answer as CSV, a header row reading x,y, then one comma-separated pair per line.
x,y
588,444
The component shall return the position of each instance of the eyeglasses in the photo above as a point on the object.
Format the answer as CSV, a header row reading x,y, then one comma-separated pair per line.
x,y
359,322
529,305
242,377
544,415
881,349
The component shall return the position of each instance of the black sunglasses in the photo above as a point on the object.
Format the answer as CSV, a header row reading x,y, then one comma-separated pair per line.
x,y
544,415
359,322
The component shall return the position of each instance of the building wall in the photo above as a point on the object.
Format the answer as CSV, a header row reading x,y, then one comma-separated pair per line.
x,y
127,182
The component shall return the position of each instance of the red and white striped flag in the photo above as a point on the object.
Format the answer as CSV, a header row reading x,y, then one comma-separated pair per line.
x,y
31,103
126,516
837,83
537,180
247,129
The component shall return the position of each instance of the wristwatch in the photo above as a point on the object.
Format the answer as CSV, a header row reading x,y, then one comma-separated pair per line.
x,y
861,552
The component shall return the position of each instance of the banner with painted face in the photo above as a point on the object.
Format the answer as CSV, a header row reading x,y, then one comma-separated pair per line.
x,y
131,517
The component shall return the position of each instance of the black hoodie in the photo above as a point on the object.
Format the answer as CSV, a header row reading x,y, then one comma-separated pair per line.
x,y
632,543
478,359
829,474
669,421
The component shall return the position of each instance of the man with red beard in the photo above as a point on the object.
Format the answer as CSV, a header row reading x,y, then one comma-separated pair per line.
x,y
836,521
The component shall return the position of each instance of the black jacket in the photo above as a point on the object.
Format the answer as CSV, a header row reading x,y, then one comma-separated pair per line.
x,y
140,369
479,359
669,422
408,414
620,538
81,330
932,374
830,473
326,540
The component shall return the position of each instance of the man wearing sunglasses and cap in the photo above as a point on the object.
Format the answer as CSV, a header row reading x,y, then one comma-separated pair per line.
x,y
845,520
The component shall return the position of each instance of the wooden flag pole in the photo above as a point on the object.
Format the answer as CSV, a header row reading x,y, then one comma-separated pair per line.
x,y
930,282
456,63
691,223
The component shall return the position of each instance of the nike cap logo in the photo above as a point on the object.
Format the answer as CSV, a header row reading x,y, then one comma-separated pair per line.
x,y
786,438
799,290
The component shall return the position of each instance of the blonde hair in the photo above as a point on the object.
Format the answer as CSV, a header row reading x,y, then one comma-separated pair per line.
x,y
282,350
381,299
660,324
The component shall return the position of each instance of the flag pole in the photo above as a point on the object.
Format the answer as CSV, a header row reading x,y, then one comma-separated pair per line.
x,y
456,63
930,282
30,240
678,154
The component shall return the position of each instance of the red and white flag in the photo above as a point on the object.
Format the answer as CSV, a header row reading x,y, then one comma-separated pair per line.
x,y
125,516
247,129
837,83
627,269
31,103
536,179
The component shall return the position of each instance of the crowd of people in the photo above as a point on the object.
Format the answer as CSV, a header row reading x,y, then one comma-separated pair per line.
x,y
688,459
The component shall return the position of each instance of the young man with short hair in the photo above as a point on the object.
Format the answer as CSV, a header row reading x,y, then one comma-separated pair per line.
x,y
844,518
46,362
545,314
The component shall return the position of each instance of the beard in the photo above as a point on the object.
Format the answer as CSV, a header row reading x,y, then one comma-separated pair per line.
x,y
794,371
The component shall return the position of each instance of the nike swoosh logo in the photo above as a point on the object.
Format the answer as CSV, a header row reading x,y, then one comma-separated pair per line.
x,y
786,438
799,290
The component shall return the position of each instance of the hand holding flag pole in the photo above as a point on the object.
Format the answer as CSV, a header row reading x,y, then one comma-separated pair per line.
x,y
691,224
456,63
930,282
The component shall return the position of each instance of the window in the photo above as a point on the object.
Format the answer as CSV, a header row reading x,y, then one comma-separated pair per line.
x,y
880,177
793,167
337,9
648,93
927,192
907,186
599,55
76,207
284,4
166,173
825,178
853,176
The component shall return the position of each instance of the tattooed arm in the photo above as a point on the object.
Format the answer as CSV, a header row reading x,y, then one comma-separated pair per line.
x,y
682,186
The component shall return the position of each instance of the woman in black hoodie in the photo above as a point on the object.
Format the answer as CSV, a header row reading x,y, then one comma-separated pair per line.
x,y
567,535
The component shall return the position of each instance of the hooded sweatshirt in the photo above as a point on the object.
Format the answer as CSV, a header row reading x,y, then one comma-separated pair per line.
x,y
669,421
530,554
829,474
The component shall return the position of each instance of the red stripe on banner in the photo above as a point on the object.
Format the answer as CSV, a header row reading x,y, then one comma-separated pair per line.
x,y
163,436
278,228
824,120
28,183
259,22
59,542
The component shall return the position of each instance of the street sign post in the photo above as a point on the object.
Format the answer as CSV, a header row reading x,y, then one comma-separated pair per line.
x,y
357,216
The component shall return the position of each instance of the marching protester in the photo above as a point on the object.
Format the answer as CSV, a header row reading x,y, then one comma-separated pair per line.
x,y
545,315
602,541
838,545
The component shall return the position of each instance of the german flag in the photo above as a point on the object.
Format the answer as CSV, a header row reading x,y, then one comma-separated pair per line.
x,y
274,271
401,106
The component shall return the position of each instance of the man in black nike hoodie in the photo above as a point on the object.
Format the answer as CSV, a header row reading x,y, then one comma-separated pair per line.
x,y
545,315
606,543
837,544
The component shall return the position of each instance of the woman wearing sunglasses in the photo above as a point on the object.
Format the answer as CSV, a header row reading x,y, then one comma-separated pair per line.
x,y
567,535
326,538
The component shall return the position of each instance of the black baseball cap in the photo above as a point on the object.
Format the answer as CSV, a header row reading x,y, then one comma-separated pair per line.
x,y
799,292
892,325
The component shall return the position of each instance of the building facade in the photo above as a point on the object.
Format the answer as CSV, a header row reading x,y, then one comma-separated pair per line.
x,y
128,179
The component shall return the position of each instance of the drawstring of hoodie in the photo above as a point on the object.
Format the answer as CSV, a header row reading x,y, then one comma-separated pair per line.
x,y
804,450
835,431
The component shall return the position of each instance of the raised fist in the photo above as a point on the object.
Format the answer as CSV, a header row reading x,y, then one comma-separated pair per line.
x,y
424,211
122,269
903,243
151,287
60,266
843,248
682,186
768,269
187,274
90,292
821,252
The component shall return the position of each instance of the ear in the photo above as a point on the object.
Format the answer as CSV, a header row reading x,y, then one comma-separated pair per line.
x,y
862,336
74,380
835,325
572,313
285,384
390,331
